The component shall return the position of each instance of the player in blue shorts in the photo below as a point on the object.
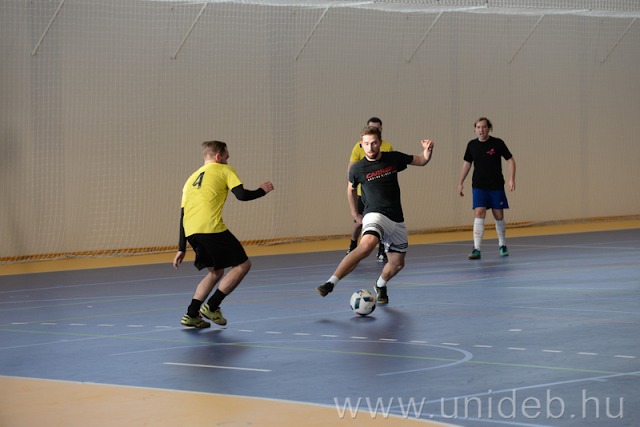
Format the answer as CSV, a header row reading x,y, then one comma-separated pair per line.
x,y
486,153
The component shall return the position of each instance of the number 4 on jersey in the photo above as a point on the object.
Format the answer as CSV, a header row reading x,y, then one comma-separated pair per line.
x,y
198,180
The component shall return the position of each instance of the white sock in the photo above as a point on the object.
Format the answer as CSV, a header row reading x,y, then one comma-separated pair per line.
x,y
478,232
381,282
334,280
501,229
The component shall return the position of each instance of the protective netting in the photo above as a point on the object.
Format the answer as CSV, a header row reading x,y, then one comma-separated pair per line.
x,y
105,104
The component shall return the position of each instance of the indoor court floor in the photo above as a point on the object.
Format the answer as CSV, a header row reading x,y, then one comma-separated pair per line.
x,y
548,336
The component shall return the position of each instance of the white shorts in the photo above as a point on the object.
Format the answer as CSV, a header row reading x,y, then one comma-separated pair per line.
x,y
393,235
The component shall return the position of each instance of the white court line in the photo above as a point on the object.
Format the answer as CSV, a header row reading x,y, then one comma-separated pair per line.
x,y
519,389
285,318
467,356
449,343
548,308
157,349
70,340
218,367
353,337
515,330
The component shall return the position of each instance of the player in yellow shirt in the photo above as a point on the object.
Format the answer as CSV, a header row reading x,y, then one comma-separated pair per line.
x,y
203,198
358,154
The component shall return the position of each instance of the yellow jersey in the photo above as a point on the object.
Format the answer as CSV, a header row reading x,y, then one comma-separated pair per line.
x,y
203,198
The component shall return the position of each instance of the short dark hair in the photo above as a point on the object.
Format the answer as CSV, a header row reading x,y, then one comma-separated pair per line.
x,y
211,148
374,120
489,125
371,130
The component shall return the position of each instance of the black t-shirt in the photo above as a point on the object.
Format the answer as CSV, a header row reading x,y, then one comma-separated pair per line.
x,y
379,180
487,159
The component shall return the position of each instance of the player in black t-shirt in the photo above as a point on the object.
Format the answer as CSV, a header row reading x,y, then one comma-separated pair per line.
x,y
382,219
486,153
357,154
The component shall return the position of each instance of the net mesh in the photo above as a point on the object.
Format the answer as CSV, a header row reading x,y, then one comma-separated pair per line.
x,y
105,104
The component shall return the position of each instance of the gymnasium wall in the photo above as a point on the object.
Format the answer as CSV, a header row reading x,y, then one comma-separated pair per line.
x,y
105,104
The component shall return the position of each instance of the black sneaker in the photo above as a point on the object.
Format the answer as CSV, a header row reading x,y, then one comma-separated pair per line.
x,y
382,257
381,294
325,289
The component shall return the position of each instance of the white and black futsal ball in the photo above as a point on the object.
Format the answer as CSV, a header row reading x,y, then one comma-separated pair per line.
x,y
363,302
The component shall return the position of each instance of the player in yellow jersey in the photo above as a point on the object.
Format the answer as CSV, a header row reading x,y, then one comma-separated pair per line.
x,y
203,198
358,154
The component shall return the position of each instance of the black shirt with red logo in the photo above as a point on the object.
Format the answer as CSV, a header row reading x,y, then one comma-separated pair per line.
x,y
379,180
487,163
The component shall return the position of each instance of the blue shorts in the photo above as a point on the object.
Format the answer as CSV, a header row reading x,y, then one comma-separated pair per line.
x,y
496,199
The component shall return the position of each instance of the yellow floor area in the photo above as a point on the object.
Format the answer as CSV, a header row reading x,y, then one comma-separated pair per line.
x,y
318,246
32,402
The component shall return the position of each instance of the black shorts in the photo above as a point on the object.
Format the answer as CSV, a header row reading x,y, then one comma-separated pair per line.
x,y
217,250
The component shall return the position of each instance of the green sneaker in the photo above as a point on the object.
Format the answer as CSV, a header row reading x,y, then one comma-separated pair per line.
x,y
215,316
381,294
504,251
194,322
475,254
325,289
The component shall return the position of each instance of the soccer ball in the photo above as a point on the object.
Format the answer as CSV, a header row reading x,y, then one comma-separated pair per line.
x,y
363,302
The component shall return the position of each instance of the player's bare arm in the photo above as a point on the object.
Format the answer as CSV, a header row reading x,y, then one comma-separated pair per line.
x,y
178,259
466,166
423,159
512,174
352,197
349,168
